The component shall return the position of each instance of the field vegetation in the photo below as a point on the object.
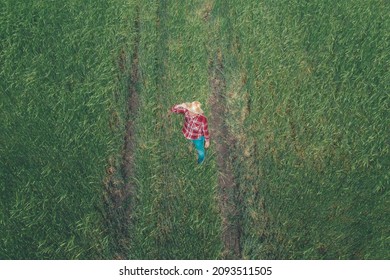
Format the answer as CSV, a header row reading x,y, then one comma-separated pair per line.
x,y
92,166
60,90
309,84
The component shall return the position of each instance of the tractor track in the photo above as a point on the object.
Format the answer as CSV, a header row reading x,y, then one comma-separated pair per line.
x,y
228,188
120,188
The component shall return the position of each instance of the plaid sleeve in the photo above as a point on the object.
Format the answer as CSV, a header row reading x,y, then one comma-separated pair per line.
x,y
179,110
206,129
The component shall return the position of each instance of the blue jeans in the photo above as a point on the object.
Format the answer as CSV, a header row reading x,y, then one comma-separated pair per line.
x,y
199,146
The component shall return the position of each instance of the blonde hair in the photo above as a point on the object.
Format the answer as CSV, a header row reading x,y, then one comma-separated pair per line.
x,y
194,107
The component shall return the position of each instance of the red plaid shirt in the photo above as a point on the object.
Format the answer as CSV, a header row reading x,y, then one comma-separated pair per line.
x,y
194,126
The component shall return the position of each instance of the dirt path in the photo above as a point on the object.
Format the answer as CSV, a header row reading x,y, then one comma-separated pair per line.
x,y
228,188
132,107
120,188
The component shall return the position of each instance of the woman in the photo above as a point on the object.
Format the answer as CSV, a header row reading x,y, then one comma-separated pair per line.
x,y
195,126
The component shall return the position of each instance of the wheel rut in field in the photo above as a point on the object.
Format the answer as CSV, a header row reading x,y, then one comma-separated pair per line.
x,y
224,141
120,189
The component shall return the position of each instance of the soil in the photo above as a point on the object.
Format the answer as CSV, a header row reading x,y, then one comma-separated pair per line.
x,y
120,189
224,142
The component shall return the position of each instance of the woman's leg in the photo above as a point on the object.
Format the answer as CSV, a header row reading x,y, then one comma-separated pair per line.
x,y
199,145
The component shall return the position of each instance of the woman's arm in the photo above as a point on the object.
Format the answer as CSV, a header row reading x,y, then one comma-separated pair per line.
x,y
206,132
179,108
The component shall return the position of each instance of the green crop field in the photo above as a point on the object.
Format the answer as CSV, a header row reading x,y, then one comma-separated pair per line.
x,y
92,166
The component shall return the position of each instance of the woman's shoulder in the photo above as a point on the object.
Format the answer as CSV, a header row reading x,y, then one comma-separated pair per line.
x,y
202,118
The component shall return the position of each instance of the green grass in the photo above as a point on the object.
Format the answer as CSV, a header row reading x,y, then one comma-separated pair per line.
x,y
59,82
307,93
175,214
312,126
